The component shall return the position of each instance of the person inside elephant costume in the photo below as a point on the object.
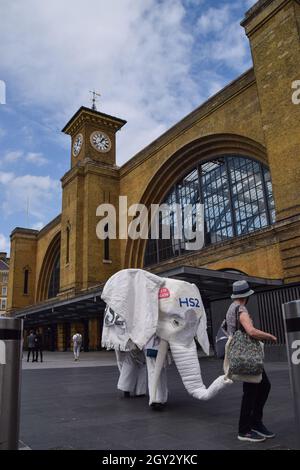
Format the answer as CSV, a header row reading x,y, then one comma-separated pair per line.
x,y
146,313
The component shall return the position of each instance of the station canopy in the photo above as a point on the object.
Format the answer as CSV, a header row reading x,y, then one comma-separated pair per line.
x,y
213,285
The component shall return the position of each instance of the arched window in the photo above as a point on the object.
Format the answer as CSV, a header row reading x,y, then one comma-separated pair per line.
x,y
55,278
68,244
237,196
26,281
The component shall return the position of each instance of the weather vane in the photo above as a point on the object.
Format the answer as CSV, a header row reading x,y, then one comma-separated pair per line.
x,y
94,99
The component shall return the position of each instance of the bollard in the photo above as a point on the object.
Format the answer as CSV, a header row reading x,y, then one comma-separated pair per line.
x,y
10,381
291,313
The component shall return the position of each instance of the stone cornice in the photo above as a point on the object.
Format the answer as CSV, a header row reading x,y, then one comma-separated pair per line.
x,y
86,115
90,166
24,233
262,12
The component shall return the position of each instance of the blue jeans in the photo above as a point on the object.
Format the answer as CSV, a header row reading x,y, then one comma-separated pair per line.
x,y
76,350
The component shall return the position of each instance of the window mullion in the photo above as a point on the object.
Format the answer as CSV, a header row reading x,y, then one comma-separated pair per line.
x,y
230,195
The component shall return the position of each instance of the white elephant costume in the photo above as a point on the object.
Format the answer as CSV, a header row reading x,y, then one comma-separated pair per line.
x,y
142,307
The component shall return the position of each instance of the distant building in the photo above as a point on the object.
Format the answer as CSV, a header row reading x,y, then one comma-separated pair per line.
x,y
4,270
238,154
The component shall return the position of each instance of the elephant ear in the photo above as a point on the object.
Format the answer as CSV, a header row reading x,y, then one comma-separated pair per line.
x,y
133,295
202,336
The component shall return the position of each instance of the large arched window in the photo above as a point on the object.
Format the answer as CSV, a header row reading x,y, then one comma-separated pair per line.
x,y
55,278
237,197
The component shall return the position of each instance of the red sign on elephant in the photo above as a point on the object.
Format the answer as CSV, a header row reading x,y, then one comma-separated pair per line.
x,y
164,293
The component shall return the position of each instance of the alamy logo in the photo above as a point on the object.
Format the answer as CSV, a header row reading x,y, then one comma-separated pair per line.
x,y
296,353
147,224
2,92
296,93
2,353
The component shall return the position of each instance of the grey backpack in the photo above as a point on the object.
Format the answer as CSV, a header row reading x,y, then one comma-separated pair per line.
x,y
221,340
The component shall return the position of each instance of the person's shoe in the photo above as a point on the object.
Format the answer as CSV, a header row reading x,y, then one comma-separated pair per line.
x,y
261,430
157,406
251,436
126,394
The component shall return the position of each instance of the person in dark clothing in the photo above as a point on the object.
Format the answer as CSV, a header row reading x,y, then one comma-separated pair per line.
x,y
38,346
255,395
31,346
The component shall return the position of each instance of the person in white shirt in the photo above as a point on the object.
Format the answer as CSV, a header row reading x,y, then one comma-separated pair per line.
x,y
77,341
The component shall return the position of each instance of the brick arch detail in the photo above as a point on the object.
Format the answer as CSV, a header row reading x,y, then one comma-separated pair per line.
x,y
52,252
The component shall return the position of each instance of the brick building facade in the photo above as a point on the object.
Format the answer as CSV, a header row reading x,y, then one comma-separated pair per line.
x,y
248,131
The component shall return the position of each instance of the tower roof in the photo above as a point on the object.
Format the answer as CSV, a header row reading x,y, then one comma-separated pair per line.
x,y
86,114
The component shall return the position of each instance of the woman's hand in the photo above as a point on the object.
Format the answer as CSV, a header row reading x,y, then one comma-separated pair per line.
x,y
273,339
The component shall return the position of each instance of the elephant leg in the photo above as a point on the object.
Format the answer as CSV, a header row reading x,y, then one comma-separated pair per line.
x,y
162,388
128,374
141,383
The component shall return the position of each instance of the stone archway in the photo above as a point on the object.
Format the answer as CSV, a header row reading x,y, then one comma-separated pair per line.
x,y
49,264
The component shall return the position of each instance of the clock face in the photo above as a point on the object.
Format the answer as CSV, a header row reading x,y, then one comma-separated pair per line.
x,y
78,141
100,141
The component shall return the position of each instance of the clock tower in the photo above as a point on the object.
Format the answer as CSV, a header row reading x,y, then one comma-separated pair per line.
x,y
93,136
93,179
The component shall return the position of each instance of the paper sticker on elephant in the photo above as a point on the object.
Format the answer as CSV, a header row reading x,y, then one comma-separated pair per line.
x,y
143,309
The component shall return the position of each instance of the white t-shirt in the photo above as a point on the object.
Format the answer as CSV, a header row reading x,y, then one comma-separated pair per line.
x,y
77,338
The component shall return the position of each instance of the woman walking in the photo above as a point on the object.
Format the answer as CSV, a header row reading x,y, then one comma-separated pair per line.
x,y
255,395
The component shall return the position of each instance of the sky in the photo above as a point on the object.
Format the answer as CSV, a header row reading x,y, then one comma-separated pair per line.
x,y
152,61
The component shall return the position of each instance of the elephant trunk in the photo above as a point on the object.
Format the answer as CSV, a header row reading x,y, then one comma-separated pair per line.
x,y
187,363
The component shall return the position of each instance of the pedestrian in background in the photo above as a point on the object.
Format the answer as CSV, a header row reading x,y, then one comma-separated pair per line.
x,y
77,341
38,346
251,427
31,346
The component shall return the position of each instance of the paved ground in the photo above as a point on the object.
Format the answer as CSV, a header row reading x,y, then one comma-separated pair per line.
x,y
76,406
62,360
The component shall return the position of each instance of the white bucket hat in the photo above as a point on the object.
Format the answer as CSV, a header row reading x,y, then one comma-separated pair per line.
x,y
241,289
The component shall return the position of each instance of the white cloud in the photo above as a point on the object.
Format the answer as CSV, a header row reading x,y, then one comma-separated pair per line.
x,y
36,158
33,194
11,157
138,54
6,177
4,245
214,19
225,40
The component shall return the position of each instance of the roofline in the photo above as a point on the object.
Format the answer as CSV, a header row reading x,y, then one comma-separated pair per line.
x,y
30,231
53,303
260,281
23,230
5,262
122,122
185,122
50,224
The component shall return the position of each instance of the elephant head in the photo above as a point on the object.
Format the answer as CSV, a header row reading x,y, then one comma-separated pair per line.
x,y
182,318
149,305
